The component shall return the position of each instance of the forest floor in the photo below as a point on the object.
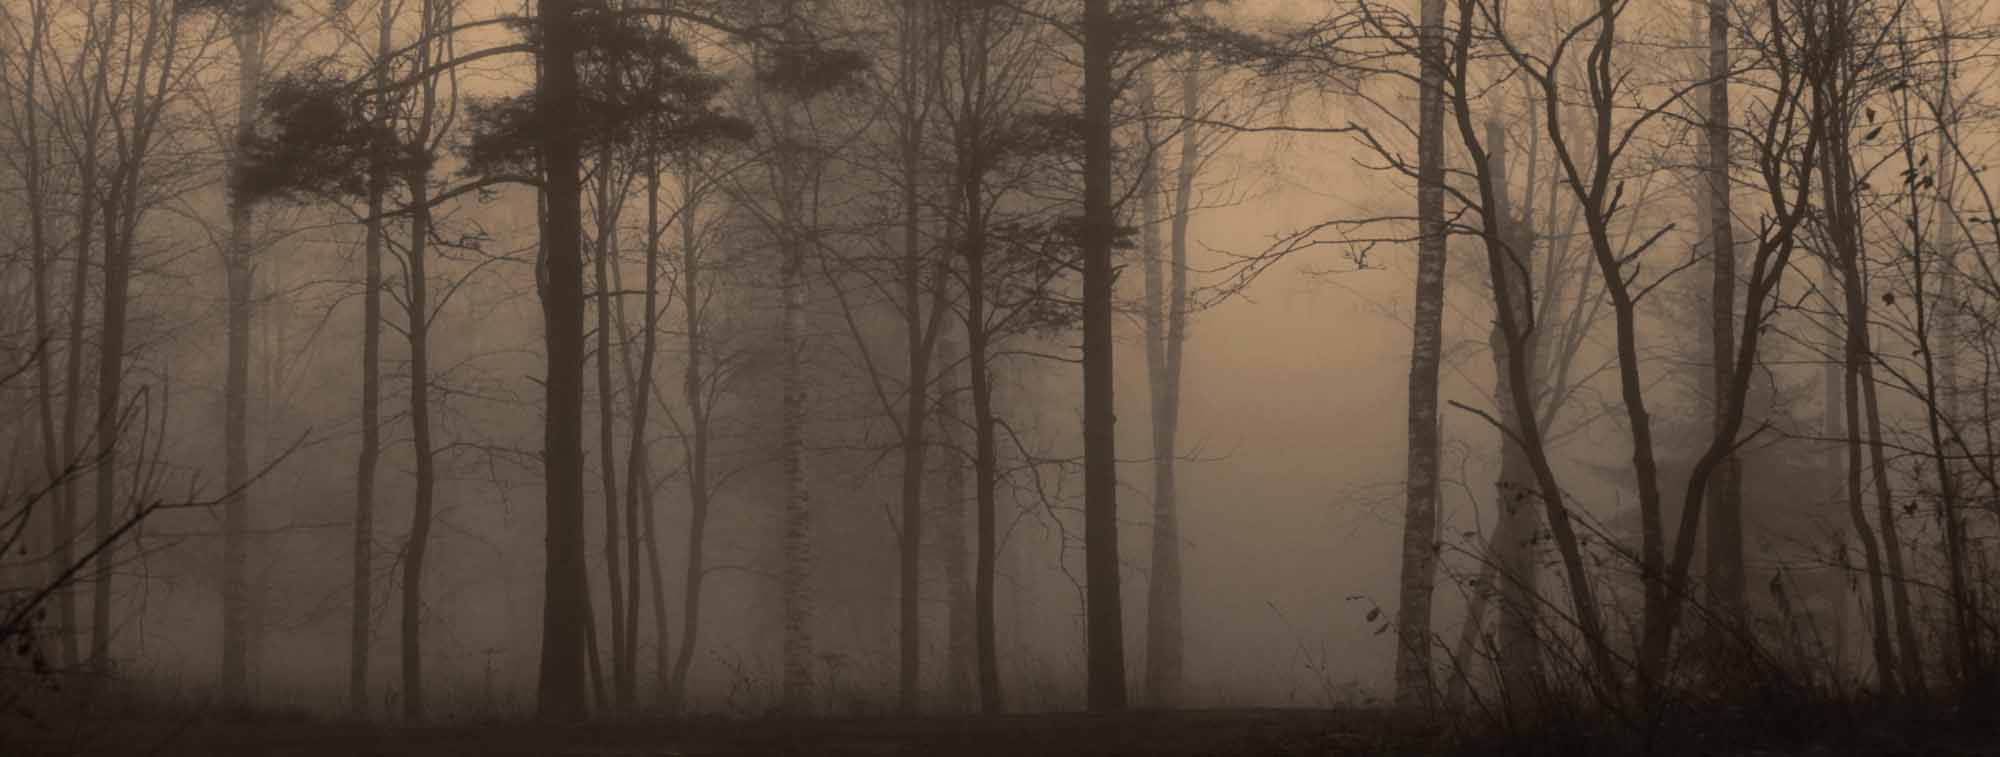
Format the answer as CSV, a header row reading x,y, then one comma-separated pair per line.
x,y
1300,732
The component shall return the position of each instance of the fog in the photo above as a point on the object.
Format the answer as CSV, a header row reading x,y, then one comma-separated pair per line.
x,y
819,166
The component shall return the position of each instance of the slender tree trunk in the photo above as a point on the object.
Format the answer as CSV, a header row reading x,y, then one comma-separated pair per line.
x,y
1944,334
917,345
560,690
1413,633
418,313
961,642
1832,405
1911,655
607,221
638,484
238,265
418,546
1855,373
694,391
985,466
797,522
54,464
73,393
371,389
110,388
1725,524
1166,325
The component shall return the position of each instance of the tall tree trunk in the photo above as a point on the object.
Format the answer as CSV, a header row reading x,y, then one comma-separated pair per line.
x,y
1105,619
110,388
917,346
986,463
560,689
418,312
371,386
1413,632
638,484
607,222
694,391
1725,524
797,520
238,265
73,387
795,536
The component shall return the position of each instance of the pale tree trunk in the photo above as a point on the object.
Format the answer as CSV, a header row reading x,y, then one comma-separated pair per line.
x,y
1943,342
238,265
1166,330
694,391
371,389
1413,625
560,688
1105,618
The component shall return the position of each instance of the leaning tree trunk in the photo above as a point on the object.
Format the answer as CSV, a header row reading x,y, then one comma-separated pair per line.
x,y
1413,632
1855,374
1518,518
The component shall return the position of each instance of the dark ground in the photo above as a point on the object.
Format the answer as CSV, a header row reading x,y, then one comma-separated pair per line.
x,y
1232,732
1176,734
